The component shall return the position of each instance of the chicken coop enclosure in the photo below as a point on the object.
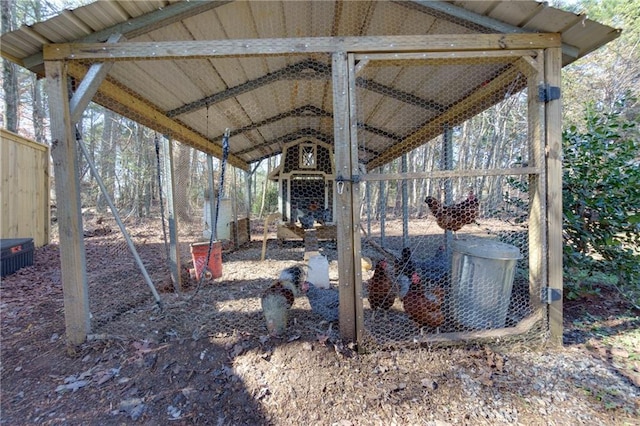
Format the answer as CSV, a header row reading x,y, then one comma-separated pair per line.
x,y
379,105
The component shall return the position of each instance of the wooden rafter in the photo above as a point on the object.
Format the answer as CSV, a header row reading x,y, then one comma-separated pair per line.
x,y
299,71
112,96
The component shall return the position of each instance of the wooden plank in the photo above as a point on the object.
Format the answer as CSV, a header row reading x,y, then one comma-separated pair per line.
x,y
537,200
356,197
209,48
127,104
456,57
65,166
552,66
16,138
344,218
437,174
24,179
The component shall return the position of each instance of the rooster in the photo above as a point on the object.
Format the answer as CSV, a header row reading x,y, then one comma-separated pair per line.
x,y
454,217
279,297
382,294
423,307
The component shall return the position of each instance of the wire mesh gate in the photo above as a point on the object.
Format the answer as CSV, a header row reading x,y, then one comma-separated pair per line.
x,y
456,208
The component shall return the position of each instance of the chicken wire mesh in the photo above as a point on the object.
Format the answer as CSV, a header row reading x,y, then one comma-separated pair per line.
x,y
450,223
129,271
296,183
279,111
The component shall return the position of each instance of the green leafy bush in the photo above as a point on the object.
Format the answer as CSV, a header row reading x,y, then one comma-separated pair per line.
x,y
601,199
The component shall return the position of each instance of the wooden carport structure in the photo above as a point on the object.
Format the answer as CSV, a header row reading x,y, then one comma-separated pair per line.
x,y
168,64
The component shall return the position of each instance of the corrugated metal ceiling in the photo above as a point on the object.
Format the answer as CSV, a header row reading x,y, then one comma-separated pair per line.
x,y
271,100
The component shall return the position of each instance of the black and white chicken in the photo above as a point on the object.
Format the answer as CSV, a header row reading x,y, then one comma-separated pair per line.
x,y
277,300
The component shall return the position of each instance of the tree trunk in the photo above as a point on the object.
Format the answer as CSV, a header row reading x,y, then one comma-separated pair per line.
x,y
107,160
9,71
182,174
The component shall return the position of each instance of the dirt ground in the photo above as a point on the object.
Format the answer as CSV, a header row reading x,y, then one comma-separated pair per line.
x,y
212,375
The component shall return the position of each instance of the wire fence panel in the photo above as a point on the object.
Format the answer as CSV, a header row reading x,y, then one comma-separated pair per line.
x,y
450,213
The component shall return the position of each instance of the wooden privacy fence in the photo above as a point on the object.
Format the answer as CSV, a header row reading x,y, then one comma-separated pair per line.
x,y
24,168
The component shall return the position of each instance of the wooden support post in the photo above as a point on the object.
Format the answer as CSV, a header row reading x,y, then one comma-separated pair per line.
x,y
65,166
348,235
273,217
537,184
356,197
169,188
553,65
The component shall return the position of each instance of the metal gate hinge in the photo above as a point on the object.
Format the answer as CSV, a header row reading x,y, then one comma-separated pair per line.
x,y
550,295
547,93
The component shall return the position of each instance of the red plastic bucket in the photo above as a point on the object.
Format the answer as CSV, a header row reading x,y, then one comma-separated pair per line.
x,y
199,255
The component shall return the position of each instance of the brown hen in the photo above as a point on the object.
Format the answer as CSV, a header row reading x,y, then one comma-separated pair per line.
x,y
454,217
382,293
424,308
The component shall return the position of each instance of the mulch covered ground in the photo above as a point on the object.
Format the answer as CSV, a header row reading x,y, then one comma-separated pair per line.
x,y
199,361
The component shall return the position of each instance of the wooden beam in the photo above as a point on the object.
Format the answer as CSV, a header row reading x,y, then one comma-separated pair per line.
x,y
440,174
65,167
299,71
307,132
135,27
354,208
303,111
113,97
457,57
89,85
553,118
209,48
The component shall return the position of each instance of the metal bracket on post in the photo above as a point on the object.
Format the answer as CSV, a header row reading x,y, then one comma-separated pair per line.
x,y
550,295
547,93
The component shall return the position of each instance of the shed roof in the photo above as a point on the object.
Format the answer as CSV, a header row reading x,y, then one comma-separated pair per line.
x,y
269,80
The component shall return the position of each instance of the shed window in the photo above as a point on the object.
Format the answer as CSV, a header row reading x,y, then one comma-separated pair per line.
x,y
308,156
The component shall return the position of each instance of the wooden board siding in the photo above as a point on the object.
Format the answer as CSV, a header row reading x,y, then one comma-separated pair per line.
x,y
24,170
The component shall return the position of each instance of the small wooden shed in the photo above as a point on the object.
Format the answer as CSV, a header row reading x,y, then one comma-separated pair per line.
x,y
372,79
305,179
